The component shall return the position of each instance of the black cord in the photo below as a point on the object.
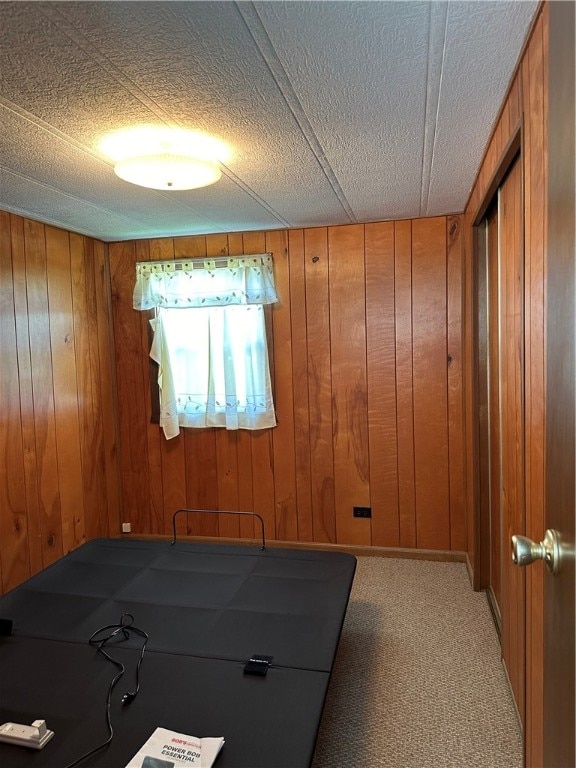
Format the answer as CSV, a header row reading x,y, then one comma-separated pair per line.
x,y
120,632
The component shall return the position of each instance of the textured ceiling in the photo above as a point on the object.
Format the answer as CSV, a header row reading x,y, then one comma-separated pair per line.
x,y
337,112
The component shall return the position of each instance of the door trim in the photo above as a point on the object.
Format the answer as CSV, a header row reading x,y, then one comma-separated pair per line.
x,y
512,148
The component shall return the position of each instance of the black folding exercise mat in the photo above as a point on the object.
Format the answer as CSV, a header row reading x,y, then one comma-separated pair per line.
x,y
239,643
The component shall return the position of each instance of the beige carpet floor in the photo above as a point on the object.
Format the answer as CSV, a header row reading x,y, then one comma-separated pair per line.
x,y
418,681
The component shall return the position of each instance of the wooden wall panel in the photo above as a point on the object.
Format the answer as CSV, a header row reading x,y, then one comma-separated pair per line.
x,y
455,387
65,350
59,480
298,304
88,378
201,480
404,379
471,463
47,479
145,250
361,307
135,477
349,380
381,375
95,440
14,533
227,481
429,355
109,410
283,437
319,383
26,395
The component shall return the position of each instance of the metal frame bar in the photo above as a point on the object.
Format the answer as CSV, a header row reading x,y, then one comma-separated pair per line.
x,y
217,512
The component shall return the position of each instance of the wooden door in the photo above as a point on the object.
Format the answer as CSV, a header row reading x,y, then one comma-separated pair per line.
x,y
501,415
511,410
489,406
559,591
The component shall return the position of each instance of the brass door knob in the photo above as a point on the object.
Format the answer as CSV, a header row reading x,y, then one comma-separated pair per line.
x,y
525,551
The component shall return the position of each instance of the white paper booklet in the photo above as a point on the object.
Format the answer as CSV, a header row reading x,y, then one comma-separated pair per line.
x,y
168,749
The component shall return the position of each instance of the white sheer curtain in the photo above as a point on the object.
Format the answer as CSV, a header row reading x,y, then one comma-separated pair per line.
x,y
210,340
205,282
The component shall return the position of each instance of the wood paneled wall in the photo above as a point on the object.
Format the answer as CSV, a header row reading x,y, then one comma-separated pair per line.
x,y
367,367
58,468
526,102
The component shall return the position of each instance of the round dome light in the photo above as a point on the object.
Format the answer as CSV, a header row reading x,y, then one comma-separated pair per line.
x,y
165,158
168,171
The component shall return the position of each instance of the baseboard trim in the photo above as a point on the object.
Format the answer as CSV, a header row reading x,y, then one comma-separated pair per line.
x,y
439,555
512,695
495,611
469,569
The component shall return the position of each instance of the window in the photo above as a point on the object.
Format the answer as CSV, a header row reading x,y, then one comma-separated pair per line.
x,y
210,340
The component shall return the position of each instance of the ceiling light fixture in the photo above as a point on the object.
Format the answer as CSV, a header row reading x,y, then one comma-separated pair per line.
x,y
165,158
168,171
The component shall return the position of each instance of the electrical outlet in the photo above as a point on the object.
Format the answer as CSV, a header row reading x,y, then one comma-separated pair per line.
x,y
126,528
362,511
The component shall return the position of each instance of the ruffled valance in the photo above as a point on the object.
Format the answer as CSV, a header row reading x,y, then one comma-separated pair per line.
x,y
205,282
